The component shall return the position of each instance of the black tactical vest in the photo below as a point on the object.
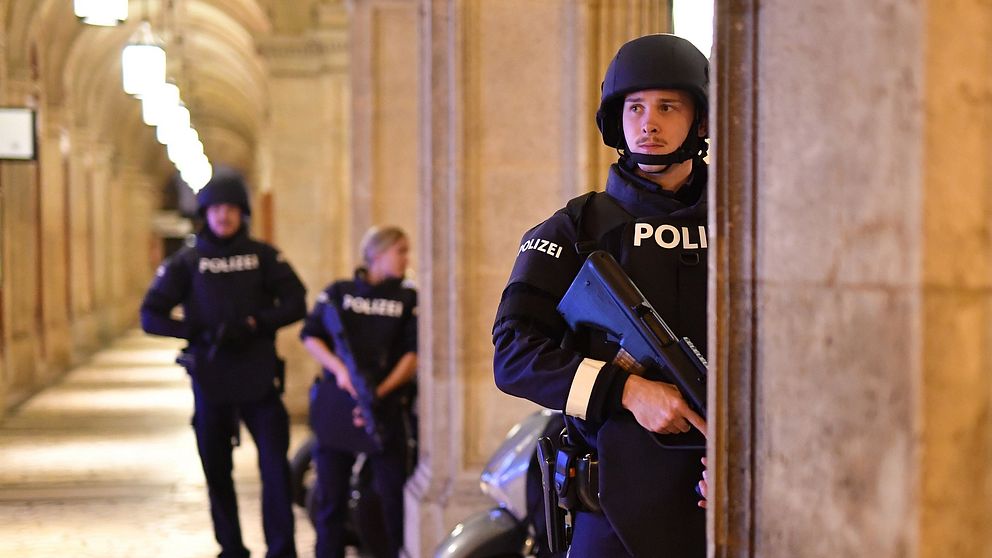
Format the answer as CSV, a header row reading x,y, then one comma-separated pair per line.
x,y
664,256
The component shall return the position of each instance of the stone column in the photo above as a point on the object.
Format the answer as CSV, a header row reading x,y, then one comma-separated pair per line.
x,y
52,183
306,175
853,308
82,237
133,238
953,306
507,117
22,320
385,138
102,157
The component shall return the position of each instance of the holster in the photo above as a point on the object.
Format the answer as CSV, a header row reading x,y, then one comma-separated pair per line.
x,y
570,477
559,535
187,360
577,479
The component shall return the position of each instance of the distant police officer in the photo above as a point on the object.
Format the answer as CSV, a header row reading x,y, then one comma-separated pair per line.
x,y
652,218
235,293
377,310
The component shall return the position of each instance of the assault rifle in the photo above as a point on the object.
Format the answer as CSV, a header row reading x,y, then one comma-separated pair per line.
x,y
603,297
364,386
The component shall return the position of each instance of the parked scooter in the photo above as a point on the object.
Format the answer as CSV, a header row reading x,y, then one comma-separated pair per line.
x,y
516,527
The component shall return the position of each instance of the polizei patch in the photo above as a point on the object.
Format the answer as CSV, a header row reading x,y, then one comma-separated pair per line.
x,y
541,245
241,262
668,236
372,306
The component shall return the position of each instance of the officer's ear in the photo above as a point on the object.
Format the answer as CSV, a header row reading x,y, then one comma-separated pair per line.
x,y
703,130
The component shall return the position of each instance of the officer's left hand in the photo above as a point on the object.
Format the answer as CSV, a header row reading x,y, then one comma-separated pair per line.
x,y
659,407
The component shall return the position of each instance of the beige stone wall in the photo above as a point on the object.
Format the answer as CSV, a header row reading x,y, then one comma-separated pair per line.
x,y
385,85
865,268
304,168
74,221
836,280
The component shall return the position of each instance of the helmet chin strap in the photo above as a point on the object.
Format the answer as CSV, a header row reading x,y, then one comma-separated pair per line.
x,y
693,146
630,164
686,151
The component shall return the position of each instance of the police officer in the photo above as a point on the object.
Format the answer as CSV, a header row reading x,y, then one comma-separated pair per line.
x,y
378,312
652,219
235,292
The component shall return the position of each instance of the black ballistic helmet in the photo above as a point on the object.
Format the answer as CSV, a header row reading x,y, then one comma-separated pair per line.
x,y
225,186
659,61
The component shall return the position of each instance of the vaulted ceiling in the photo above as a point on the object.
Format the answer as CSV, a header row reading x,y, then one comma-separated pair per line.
x,y
73,69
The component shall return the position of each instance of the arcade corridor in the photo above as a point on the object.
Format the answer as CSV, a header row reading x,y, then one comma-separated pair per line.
x,y
102,465
849,231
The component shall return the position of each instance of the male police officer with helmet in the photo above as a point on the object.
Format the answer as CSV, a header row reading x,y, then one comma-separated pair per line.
x,y
235,292
652,219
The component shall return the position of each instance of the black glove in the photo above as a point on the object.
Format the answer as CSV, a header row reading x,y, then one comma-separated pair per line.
x,y
232,333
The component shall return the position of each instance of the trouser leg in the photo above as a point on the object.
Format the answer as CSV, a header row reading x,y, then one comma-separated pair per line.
x,y
333,479
268,423
213,427
594,537
388,479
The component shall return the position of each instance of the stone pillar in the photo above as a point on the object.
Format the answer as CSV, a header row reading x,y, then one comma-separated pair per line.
x,y
83,245
306,175
52,248
22,320
507,121
385,142
134,200
954,294
853,322
103,295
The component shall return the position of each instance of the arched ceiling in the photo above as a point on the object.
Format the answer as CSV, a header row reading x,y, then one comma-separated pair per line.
x,y
212,55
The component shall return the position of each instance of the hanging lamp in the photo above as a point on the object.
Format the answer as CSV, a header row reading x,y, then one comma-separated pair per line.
x,y
143,62
105,13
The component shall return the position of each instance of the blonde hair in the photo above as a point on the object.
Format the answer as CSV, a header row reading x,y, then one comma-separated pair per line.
x,y
377,240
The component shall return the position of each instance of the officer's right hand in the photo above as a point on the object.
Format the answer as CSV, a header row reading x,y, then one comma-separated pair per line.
x,y
659,407
344,382
702,488
233,332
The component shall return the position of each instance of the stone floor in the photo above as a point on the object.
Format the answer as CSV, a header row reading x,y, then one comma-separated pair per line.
x,y
103,464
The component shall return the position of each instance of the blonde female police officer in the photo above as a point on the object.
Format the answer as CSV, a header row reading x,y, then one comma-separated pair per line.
x,y
377,310
235,293
652,218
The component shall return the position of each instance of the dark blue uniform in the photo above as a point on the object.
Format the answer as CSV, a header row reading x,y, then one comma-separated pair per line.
x,y
660,240
235,371
381,325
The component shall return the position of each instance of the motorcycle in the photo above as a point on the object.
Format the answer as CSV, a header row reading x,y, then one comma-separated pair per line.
x,y
515,527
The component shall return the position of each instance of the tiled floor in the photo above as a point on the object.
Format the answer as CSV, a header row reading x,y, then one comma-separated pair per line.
x,y
104,465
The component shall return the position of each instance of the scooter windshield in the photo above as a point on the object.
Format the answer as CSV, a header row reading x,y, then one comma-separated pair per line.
x,y
504,478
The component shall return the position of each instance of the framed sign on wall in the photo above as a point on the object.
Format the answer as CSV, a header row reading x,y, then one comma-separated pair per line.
x,y
17,134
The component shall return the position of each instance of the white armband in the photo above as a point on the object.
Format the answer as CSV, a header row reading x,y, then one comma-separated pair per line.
x,y
577,404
